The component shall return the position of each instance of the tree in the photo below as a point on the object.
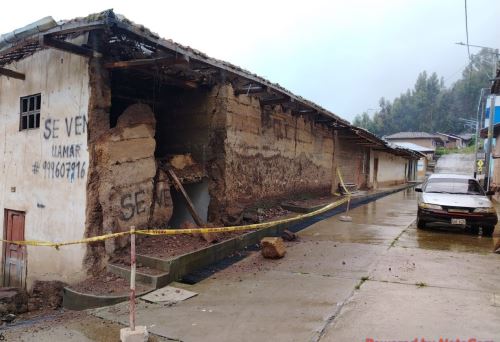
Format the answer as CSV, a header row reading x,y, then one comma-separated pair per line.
x,y
430,106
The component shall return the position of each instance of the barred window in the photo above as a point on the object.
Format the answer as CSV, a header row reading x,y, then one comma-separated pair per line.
x,y
30,112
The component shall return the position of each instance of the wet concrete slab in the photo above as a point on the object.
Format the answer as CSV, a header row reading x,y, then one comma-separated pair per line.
x,y
467,271
378,222
352,260
400,312
271,305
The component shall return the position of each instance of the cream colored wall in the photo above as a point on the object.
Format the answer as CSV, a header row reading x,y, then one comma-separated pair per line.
x,y
54,203
391,169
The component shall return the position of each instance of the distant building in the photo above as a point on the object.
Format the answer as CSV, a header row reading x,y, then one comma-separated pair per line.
x,y
451,140
466,138
420,138
426,153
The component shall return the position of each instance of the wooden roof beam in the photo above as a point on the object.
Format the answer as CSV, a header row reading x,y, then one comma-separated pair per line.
x,y
275,100
161,61
48,41
12,73
251,89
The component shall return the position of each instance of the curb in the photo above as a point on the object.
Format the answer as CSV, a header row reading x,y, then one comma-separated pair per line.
x,y
74,300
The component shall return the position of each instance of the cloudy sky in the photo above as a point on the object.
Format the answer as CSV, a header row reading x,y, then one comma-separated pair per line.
x,y
343,55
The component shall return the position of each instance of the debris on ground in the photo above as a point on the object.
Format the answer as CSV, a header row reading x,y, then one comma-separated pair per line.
x,y
273,247
13,301
288,235
107,284
46,294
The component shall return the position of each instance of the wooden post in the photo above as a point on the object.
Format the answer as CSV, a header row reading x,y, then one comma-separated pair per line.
x,y
132,279
178,186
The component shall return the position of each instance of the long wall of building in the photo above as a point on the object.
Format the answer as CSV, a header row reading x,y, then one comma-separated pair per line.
x,y
43,171
392,169
270,153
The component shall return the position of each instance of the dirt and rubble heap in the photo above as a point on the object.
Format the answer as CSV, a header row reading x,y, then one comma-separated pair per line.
x,y
13,300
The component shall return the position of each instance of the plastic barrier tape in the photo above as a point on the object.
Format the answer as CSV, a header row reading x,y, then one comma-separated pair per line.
x,y
182,231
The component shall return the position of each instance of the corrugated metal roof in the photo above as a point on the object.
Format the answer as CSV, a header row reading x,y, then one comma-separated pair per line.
x,y
413,147
412,135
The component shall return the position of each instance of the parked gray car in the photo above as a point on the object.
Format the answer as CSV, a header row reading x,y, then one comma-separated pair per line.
x,y
456,200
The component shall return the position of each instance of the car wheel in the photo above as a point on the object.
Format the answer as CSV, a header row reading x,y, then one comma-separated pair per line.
x,y
474,230
420,223
488,230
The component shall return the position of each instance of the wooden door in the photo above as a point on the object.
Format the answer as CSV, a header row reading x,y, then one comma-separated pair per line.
x,y
14,256
375,173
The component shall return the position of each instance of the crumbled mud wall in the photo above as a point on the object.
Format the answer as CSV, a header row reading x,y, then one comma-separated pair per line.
x,y
131,190
98,124
194,122
271,153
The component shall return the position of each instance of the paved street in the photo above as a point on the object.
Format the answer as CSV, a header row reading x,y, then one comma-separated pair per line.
x,y
377,277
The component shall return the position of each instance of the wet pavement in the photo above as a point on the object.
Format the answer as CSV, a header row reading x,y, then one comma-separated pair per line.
x,y
375,277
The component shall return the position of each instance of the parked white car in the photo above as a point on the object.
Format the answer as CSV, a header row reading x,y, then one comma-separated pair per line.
x,y
456,200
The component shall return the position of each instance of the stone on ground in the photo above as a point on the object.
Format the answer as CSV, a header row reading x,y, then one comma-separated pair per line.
x,y
273,247
288,235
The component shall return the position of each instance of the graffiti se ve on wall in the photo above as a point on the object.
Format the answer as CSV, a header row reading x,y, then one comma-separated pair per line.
x,y
65,159
136,203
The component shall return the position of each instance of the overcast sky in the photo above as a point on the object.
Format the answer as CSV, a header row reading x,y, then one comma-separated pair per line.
x,y
343,55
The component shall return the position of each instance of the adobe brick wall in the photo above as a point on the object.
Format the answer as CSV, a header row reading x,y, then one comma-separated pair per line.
x,y
270,153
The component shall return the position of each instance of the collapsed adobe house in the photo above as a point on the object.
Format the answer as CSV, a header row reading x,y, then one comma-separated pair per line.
x,y
95,111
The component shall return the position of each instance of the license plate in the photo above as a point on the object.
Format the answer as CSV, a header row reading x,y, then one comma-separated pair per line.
x,y
458,221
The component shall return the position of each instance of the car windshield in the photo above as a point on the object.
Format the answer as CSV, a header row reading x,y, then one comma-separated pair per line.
x,y
454,186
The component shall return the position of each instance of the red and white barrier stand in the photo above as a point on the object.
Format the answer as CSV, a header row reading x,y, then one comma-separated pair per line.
x,y
133,333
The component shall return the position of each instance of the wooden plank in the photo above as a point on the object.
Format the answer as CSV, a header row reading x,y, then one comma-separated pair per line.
x,y
12,73
273,101
250,90
161,61
178,186
48,41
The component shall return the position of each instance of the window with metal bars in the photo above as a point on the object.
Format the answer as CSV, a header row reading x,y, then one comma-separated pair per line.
x,y
30,112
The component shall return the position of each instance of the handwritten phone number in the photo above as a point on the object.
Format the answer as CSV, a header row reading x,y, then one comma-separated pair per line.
x,y
69,170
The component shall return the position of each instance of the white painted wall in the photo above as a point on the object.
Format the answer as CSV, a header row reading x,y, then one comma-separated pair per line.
x,y
54,204
391,168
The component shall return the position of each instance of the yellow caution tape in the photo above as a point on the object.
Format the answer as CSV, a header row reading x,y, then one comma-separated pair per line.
x,y
181,231
342,182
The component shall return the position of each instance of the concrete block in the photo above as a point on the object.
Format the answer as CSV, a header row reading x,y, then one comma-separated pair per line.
x,y
140,334
273,247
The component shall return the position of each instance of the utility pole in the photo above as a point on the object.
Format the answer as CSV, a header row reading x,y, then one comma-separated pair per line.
x,y
490,128
479,106
490,141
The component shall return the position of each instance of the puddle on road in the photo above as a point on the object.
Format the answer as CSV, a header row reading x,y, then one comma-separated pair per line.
x,y
447,239
378,222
